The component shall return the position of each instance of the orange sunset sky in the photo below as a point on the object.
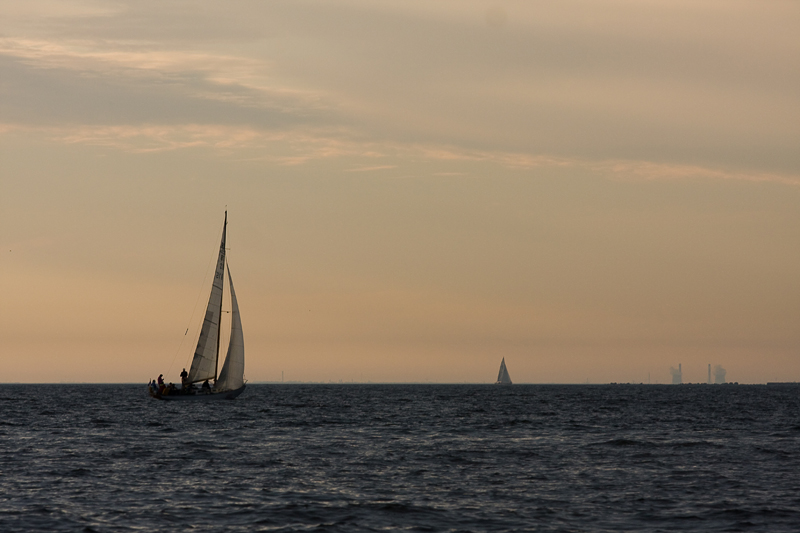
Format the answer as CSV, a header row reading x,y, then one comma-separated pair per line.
x,y
595,190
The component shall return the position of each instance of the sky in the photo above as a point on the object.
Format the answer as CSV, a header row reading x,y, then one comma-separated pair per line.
x,y
596,191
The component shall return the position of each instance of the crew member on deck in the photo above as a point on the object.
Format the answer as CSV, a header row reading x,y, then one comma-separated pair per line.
x,y
184,377
206,386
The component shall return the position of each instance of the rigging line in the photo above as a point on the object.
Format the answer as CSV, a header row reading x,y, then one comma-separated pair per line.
x,y
191,318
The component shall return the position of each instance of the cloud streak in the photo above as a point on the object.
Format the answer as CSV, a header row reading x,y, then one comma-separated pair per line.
x,y
301,146
240,80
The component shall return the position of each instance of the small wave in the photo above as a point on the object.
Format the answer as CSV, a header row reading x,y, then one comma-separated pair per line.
x,y
695,444
773,451
517,422
624,442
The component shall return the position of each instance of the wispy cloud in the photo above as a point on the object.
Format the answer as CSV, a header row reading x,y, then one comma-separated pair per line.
x,y
301,146
371,168
229,77
612,168
654,171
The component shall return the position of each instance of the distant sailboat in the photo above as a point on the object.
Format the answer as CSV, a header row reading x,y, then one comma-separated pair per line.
x,y
229,383
502,377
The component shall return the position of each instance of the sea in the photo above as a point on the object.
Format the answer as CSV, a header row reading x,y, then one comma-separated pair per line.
x,y
367,457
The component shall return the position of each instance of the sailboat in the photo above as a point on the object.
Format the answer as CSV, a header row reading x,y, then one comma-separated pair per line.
x,y
228,382
502,377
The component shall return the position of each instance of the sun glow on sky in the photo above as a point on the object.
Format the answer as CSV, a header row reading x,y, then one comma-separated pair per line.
x,y
592,190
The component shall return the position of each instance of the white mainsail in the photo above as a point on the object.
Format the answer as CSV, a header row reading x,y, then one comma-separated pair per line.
x,y
502,377
204,364
231,377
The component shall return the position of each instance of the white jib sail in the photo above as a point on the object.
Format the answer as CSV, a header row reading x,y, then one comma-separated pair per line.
x,y
232,375
204,364
502,376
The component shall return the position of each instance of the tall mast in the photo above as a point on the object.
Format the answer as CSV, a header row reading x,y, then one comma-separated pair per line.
x,y
219,322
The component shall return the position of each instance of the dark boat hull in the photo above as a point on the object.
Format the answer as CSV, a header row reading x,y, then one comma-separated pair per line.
x,y
200,397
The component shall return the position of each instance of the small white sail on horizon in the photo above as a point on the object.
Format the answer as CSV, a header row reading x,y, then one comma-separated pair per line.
x,y
502,377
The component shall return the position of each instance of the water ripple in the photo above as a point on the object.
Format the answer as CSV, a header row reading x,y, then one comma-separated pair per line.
x,y
397,457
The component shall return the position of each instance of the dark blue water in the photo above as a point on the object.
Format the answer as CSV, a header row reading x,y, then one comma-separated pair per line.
x,y
400,457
